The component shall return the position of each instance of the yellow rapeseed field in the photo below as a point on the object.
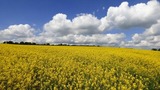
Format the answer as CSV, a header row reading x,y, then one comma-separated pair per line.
x,y
78,68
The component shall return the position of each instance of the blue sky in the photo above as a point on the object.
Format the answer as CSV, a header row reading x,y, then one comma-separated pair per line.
x,y
37,13
41,11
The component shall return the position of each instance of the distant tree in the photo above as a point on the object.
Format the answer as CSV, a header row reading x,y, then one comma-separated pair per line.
x,y
21,42
33,43
154,49
47,44
5,42
60,44
159,49
27,43
98,45
10,42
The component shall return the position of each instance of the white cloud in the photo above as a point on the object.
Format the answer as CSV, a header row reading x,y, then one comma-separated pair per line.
x,y
105,24
144,42
83,29
59,25
154,29
82,24
98,39
17,33
86,24
139,15
150,38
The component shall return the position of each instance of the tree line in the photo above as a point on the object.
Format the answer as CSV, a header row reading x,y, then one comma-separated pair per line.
x,y
24,43
60,44
155,49
33,43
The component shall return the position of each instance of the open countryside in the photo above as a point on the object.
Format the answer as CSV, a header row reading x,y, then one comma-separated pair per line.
x,y
27,67
79,44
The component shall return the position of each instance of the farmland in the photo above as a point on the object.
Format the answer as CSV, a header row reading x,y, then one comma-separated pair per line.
x,y
27,67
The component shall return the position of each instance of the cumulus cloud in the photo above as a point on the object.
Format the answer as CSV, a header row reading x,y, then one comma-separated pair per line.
x,y
86,28
17,32
86,24
148,42
59,25
144,15
154,29
139,15
83,29
82,24
149,38
98,39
